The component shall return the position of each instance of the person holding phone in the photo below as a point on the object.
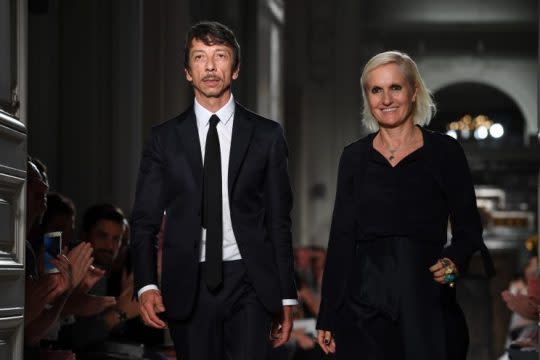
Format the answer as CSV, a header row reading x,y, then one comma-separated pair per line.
x,y
47,293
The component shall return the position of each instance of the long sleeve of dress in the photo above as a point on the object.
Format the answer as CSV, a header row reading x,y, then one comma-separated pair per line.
x,y
340,245
464,217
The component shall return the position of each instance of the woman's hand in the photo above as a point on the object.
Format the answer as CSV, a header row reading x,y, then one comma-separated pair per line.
x,y
444,271
326,341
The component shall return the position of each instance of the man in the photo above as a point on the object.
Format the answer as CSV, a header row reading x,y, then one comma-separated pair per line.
x,y
220,173
101,316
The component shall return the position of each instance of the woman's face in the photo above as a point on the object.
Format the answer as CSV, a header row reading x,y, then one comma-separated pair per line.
x,y
391,97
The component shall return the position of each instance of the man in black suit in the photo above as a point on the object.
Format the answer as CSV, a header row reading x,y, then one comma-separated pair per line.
x,y
220,173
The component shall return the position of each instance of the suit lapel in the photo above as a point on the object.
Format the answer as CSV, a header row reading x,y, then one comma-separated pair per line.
x,y
189,137
241,136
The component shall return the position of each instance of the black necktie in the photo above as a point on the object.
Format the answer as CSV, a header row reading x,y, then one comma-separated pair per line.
x,y
212,207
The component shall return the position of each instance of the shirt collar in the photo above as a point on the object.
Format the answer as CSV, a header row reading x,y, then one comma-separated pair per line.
x,y
225,114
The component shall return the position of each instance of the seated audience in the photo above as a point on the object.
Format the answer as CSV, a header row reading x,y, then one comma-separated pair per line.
x,y
104,226
523,299
309,263
46,293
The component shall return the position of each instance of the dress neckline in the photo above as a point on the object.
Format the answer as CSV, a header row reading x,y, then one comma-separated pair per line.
x,y
407,158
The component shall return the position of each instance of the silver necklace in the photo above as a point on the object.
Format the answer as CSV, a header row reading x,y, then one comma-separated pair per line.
x,y
391,151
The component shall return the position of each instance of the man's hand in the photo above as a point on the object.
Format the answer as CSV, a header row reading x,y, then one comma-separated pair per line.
x,y
151,303
326,341
38,293
63,279
92,276
282,326
521,304
80,258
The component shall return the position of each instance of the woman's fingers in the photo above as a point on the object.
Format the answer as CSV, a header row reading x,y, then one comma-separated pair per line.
x,y
444,271
326,341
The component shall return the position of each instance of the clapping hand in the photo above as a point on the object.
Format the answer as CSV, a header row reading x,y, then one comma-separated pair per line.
x,y
92,276
522,304
81,259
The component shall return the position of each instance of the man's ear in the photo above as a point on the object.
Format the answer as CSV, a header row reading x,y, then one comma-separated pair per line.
x,y
188,75
236,73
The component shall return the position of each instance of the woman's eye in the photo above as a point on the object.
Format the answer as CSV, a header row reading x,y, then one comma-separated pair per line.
x,y
396,87
376,90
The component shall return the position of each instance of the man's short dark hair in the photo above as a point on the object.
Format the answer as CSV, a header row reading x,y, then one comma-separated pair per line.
x,y
99,212
57,204
212,33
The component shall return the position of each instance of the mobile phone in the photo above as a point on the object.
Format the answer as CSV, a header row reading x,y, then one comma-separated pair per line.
x,y
52,243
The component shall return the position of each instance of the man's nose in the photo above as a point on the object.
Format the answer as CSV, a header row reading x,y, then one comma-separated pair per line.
x,y
210,65
110,243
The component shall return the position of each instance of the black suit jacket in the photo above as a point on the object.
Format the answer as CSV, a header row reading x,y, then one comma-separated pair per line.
x,y
170,179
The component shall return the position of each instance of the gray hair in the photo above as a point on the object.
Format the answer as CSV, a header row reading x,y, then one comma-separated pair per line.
x,y
424,108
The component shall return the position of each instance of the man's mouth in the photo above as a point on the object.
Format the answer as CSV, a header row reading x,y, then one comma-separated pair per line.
x,y
211,79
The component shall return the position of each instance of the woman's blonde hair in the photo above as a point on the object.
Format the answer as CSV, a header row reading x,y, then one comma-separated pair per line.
x,y
424,108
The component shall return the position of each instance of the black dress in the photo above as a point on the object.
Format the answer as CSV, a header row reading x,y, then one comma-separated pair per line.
x,y
389,227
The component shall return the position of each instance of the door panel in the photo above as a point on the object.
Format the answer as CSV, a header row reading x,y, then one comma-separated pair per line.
x,y
12,175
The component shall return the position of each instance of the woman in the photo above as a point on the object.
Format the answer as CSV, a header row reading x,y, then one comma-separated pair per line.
x,y
388,289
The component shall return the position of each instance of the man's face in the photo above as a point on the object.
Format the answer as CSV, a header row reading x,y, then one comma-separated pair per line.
x,y
106,238
210,71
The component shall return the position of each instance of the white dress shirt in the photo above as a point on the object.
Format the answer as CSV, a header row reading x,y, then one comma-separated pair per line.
x,y
224,129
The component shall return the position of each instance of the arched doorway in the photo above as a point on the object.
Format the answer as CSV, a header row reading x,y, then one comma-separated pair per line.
x,y
479,105
499,159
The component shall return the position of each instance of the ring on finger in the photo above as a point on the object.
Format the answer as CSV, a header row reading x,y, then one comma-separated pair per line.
x,y
445,262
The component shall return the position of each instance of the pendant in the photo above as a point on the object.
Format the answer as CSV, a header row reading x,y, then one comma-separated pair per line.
x,y
391,158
